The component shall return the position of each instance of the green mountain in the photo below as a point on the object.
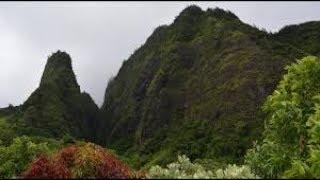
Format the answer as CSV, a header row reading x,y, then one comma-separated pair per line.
x,y
57,107
305,36
197,85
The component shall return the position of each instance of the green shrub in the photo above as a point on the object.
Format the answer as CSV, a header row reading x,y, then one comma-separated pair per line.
x,y
68,139
290,147
15,157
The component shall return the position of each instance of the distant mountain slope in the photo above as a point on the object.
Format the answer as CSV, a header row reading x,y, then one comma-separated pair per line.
x,y
305,36
57,107
195,87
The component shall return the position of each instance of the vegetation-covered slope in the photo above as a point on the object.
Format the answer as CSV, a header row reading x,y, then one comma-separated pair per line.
x,y
56,107
305,36
195,87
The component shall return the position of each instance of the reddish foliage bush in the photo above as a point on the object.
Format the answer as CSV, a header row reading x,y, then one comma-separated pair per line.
x,y
60,171
81,161
43,167
66,156
111,167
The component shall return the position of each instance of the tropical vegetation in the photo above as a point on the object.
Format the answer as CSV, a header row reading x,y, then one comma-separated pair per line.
x,y
207,96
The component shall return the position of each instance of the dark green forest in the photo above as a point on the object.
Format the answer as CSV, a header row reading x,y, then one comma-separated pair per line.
x,y
207,96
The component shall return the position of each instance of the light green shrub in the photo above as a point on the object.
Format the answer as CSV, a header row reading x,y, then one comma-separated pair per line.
x,y
235,172
184,169
291,145
15,157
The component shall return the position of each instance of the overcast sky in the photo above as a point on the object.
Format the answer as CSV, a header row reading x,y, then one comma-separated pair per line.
x,y
100,35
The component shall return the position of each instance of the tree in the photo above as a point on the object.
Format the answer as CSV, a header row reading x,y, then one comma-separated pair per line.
x,y
291,126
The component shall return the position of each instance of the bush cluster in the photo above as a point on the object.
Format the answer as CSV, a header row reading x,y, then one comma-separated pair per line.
x,y
79,161
185,169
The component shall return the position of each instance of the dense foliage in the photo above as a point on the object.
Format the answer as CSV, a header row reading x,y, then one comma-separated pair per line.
x,y
290,147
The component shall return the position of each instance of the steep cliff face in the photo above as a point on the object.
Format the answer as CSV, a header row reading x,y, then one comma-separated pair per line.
x,y
195,87
57,107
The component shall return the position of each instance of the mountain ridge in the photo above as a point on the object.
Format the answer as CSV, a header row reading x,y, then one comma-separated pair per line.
x,y
195,87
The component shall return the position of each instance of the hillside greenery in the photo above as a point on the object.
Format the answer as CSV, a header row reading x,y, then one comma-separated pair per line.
x,y
195,88
303,36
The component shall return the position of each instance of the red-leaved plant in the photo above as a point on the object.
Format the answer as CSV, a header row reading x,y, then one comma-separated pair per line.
x,y
112,167
79,161
44,167
66,156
